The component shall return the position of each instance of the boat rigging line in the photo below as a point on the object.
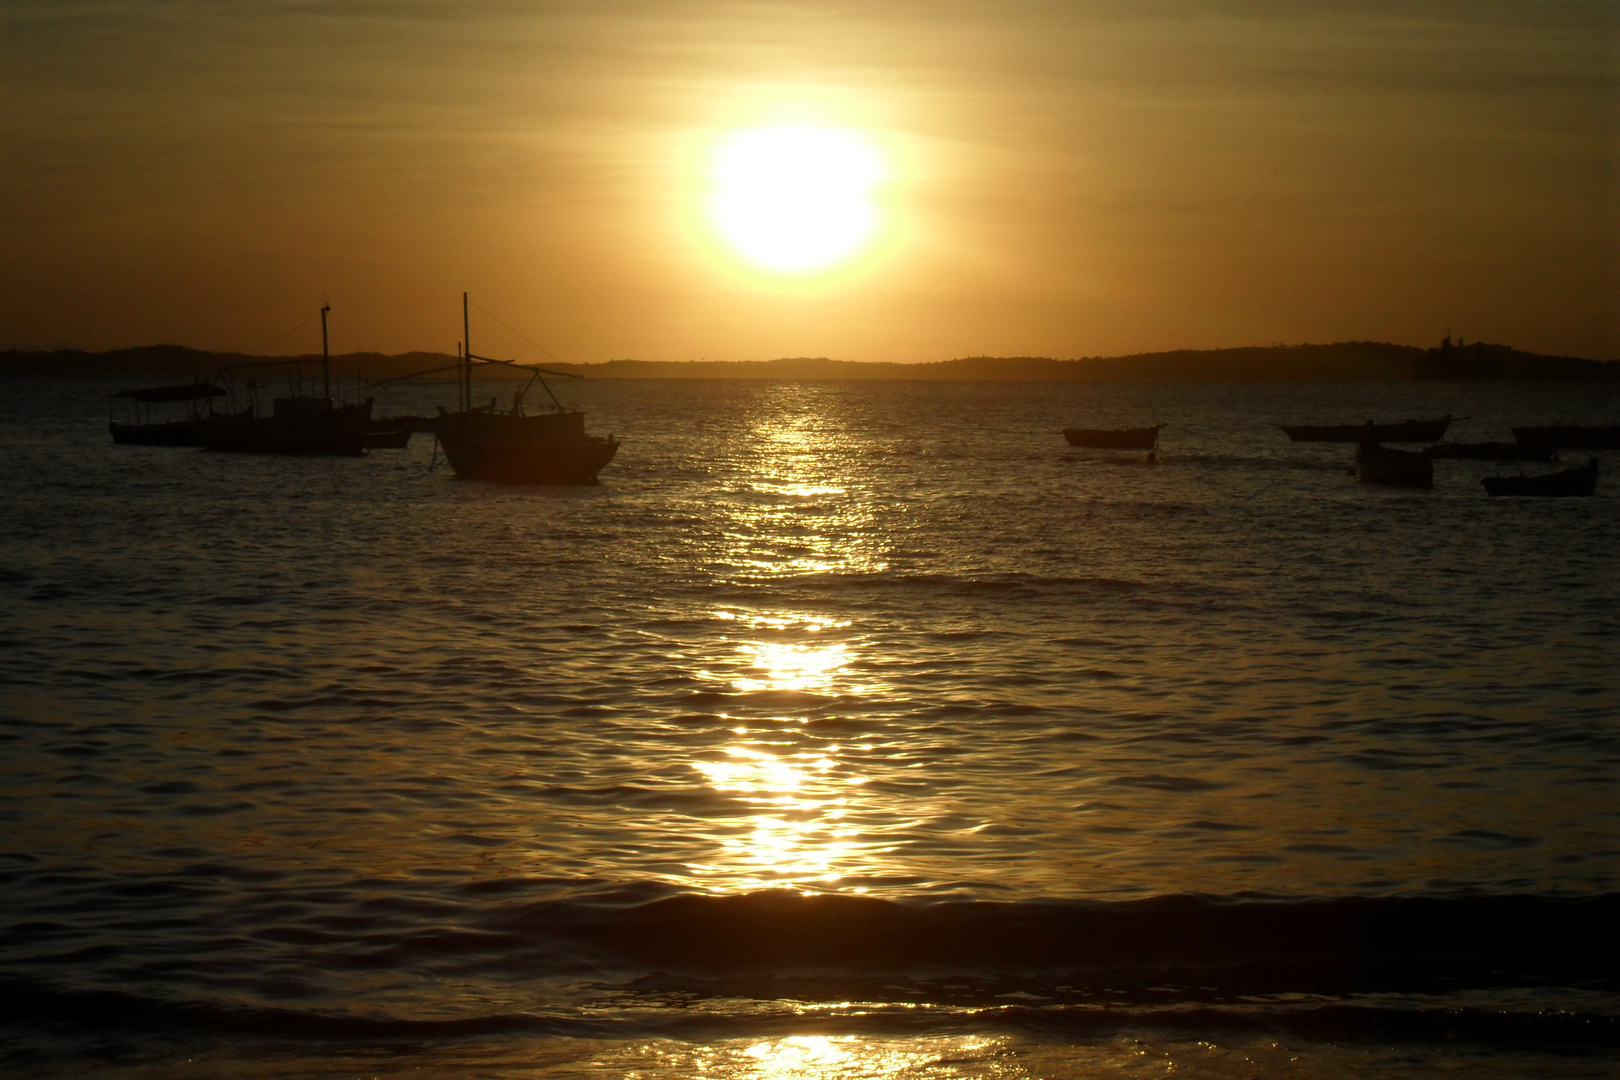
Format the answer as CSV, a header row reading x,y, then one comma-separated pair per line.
x,y
519,333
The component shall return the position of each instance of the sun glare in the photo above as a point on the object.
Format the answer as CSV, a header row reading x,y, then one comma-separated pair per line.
x,y
796,199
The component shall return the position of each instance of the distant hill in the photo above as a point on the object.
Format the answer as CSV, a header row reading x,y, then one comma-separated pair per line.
x,y
177,361
1480,362
1342,362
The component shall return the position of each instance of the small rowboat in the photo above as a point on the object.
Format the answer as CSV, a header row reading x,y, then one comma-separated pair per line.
x,y
1570,438
1407,431
1581,481
1399,468
1490,451
387,437
1114,438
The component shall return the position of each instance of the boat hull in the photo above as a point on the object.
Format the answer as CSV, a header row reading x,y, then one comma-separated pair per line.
x,y
1112,439
1393,468
330,432
172,433
1570,438
1570,482
548,449
1409,431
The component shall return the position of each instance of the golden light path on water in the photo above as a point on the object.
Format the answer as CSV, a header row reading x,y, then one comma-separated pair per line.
x,y
798,515
798,835
987,1057
819,1057
797,454
840,1056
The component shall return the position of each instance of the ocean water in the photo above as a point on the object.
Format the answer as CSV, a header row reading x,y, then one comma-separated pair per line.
x,y
843,730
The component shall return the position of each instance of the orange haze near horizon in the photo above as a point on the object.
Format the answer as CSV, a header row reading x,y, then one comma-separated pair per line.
x,y
1057,179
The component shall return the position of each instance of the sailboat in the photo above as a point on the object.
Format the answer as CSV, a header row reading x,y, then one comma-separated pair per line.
x,y
298,424
512,447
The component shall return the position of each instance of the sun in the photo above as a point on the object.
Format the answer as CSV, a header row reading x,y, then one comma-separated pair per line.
x,y
796,199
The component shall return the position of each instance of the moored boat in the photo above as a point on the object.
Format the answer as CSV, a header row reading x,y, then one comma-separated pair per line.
x,y
1490,451
1399,468
508,448
1407,431
385,433
1146,438
140,429
1569,482
513,447
298,424
1569,437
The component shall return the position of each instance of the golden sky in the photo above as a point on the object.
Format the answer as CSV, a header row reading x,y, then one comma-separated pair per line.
x,y
1059,179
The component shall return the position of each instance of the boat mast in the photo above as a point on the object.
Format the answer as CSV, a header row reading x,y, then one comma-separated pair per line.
x,y
326,361
466,357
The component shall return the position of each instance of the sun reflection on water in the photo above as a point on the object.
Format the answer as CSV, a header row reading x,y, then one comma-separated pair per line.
x,y
793,667
816,666
820,1057
802,793
803,491
800,507
796,1054
797,835
836,1057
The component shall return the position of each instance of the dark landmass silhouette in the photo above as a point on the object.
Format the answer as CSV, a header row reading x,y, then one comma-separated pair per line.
x,y
1351,361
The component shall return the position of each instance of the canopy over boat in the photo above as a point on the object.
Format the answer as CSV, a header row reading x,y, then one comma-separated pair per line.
x,y
186,392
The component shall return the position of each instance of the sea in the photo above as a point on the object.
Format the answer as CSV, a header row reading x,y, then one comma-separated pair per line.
x,y
858,729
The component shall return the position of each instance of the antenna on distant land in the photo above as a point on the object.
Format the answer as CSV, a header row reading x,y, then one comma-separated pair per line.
x,y
326,360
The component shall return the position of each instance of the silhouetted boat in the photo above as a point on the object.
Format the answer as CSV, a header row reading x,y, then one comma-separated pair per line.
x,y
148,432
1400,468
1579,481
414,424
298,424
1491,451
1114,438
1602,437
389,433
514,448
1407,431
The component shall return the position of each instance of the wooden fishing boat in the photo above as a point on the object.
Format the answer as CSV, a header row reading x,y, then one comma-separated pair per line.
x,y
1146,438
1491,451
547,448
1579,481
138,426
1399,468
388,434
298,424
1407,431
1566,437
513,447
